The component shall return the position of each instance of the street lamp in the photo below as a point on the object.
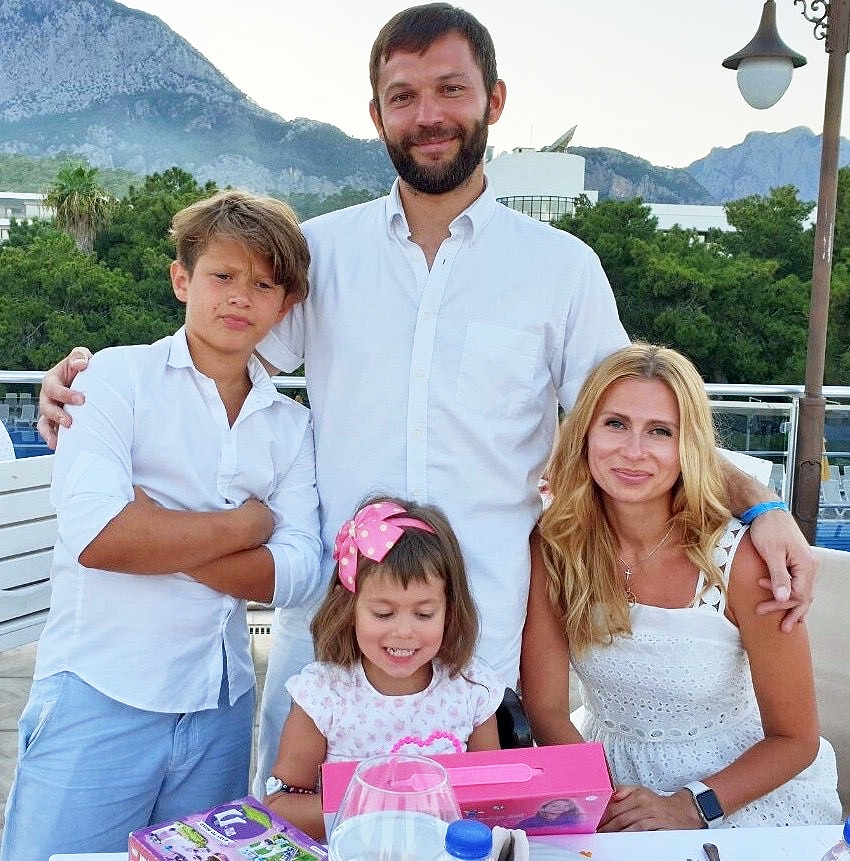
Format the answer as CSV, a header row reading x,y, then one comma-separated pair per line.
x,y
762,67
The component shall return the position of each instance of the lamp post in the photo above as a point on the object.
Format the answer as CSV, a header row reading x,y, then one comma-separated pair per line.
x,y
763,65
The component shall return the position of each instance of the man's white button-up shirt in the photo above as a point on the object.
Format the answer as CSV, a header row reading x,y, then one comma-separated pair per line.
x,y
441,384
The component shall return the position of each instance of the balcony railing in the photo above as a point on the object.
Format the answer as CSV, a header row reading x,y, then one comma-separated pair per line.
x,y
756,420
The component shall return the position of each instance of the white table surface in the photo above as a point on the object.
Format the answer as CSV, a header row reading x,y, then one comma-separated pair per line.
x,y
735,844
802,843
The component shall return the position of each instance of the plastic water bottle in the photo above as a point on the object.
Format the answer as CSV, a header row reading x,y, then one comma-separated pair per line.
x,y
841,850
469,839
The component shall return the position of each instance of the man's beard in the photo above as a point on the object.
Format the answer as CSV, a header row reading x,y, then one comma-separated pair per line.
x,y
440,178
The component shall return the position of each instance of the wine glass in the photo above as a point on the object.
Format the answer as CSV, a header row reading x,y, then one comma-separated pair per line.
x,y
396,808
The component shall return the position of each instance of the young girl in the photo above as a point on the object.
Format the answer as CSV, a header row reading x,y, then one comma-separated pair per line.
x,y
395,638
644,582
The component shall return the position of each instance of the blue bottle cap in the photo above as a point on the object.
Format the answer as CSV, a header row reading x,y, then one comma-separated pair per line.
x,y
468,838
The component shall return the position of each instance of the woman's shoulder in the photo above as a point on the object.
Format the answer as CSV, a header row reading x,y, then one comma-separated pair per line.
x,y
747,568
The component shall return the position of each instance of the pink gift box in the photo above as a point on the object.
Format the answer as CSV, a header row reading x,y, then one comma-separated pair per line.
x,y
561,789
240,830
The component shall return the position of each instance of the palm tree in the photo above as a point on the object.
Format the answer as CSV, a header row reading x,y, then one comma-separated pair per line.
x,y
81,206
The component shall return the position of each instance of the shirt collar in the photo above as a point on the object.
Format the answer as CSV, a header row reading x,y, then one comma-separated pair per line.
x,y
180,357
473,219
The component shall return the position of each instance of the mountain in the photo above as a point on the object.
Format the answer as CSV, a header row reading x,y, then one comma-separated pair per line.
x,y
765,160
617,175
762,161
120,88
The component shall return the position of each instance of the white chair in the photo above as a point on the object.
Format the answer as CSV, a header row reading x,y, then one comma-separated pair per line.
x,y
831,496
827,626
26,415
777,479
27,535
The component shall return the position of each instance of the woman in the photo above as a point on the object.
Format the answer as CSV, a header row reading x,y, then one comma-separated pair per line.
x,y
645,584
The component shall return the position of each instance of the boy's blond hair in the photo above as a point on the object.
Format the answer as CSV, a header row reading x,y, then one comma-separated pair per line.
x,y
264,225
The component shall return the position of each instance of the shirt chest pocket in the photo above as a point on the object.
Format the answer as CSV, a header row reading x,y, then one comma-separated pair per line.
x,y
497,369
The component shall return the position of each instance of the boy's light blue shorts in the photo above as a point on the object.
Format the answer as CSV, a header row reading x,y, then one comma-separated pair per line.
x,y
91,770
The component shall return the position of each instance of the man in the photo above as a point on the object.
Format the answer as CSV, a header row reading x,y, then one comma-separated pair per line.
x,y
441,331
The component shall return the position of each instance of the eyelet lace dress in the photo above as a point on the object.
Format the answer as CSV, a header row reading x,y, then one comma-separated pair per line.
x,y
674,702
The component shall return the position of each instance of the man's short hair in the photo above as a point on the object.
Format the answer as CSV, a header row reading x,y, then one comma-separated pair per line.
x,y
264,225
414,30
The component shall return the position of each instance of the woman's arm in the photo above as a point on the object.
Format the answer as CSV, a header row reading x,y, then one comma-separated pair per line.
x,y
300,755
545,663
783,680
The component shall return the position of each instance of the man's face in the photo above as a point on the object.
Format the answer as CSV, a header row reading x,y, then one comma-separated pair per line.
x,y
432,113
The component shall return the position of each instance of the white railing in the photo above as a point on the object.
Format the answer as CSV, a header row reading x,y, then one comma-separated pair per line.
x,y
756,419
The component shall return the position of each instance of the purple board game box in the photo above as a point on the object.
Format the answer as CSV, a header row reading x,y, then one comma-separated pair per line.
x,y
241,830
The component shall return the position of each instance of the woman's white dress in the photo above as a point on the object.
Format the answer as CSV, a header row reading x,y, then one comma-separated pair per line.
x,y
674,702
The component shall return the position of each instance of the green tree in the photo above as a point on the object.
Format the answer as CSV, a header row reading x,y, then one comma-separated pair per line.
x,y
307,205
137,240
53,296
731,315
841,237
80,205
772,228
614,229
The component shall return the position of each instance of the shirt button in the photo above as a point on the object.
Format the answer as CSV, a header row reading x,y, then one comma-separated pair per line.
x,y
417,432
427,316
420,373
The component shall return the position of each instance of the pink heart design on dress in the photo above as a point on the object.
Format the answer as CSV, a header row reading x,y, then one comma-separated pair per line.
x,y
424,743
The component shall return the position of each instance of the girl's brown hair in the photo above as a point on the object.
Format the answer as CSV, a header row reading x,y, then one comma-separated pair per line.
x,y
416,556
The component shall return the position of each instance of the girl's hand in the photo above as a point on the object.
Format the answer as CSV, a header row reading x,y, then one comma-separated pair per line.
x,y
636,808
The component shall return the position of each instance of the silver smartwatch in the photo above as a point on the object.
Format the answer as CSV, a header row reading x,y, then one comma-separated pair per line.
x,y
707,804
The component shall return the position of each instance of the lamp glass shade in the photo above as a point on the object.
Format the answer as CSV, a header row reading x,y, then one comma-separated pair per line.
x,y
763,80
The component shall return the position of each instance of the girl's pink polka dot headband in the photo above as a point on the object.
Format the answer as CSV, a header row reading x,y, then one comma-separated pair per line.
x,y
373,531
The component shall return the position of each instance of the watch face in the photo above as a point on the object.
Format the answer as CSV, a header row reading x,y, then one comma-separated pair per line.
x,y
709,805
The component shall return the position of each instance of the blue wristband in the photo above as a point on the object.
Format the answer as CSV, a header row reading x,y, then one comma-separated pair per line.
x,y
752,513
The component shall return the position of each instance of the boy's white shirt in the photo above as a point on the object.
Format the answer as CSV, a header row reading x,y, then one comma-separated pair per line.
x,y
151,419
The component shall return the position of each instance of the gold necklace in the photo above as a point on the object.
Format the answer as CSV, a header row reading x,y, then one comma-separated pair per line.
x,y
628,573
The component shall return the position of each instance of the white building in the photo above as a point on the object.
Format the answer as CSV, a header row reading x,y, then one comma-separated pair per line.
x,y
541,184
22,206
545,185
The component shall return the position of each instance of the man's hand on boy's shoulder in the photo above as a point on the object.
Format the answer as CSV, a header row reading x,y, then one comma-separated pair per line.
x,y
55,393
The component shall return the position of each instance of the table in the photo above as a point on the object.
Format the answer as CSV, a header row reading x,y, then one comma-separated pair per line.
x,y
803,843
800,843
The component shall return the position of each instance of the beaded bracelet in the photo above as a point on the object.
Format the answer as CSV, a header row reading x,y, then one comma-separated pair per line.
x,y
275,785
760,508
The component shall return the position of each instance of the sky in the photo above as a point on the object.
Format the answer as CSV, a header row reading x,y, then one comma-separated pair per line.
x,y
642,76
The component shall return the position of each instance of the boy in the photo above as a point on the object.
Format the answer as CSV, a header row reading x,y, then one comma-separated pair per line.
x,y
185,488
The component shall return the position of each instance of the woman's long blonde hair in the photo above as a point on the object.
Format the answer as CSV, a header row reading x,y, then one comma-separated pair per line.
x,y
579,548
